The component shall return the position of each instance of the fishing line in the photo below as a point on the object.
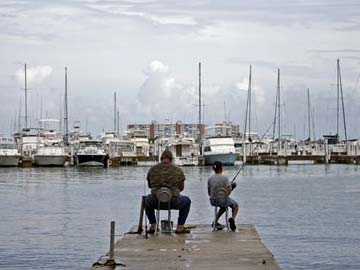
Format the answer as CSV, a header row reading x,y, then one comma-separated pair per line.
x,y
257,145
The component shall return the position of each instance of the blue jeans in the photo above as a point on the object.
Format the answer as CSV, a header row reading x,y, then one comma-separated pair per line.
x,y
181,203
223,203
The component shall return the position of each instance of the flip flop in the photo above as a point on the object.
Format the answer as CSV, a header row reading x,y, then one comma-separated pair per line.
x,y
183,231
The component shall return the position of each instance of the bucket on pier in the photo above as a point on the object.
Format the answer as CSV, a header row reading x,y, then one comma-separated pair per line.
x,y
166,226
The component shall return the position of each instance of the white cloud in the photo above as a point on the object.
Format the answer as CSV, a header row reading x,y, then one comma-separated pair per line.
x,y
162,96
157,66
179,20
34,74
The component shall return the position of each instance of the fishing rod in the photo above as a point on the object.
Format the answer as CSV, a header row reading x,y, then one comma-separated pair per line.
x,y
243,165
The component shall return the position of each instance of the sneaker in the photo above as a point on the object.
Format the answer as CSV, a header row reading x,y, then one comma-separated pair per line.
x,y
218,226
232,224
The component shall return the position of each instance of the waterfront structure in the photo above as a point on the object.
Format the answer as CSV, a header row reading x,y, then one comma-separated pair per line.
x,y
200,249
155,130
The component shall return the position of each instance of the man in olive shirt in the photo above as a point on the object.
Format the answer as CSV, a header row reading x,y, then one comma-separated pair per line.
x,y
166,174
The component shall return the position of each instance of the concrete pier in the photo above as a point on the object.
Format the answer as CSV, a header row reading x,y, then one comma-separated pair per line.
x,y
201,249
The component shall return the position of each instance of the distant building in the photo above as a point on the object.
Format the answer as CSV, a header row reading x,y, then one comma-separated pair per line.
x,y
155,129
228,129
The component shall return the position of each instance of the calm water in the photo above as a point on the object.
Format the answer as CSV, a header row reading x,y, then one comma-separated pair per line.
x,y
307,215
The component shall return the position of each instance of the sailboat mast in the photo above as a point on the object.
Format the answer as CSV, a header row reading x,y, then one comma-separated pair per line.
x,y
114,111
313,123
66,125
26,117
19,116
337,98
249,92
247,117
275,114
278,110
200,123
118,124
309,122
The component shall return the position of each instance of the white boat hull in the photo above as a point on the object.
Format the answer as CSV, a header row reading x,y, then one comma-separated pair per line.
x,y
91,164
227,159
9,160
45,160
92,160
186,161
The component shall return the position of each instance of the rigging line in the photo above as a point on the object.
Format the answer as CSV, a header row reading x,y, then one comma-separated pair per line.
x,y
275,114
342,102
243,165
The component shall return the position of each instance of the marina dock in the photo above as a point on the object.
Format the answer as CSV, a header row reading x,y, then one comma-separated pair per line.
x,y
201,249
313,159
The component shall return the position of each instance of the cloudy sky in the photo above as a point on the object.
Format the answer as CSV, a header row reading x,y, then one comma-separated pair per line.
x,y
148,52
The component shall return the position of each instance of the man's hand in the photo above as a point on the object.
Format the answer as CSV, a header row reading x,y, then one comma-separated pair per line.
x,y
233,185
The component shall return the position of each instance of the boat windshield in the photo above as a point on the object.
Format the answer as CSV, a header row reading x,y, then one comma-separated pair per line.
x,y
7,146
123,146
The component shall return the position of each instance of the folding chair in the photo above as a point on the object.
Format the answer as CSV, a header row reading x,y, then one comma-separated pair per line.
x,y
221,194
164,196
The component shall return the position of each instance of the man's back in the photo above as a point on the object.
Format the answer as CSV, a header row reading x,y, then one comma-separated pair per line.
x,y
166,175
218,181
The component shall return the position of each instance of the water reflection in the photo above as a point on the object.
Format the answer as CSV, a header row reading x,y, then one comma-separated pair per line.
x,y
59,217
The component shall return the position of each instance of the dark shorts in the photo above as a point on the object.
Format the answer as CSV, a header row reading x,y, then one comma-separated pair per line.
x,y
224,203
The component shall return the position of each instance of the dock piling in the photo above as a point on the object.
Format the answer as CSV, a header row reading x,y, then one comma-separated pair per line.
x,y
112,241
110,261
